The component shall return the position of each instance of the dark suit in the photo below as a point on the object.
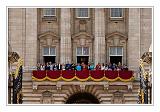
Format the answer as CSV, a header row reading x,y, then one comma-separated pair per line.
x,y
59,67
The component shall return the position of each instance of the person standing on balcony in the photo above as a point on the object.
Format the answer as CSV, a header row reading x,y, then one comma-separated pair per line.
x,y
98,66
78,67
63,66
68,66
114,66
119,67
109,66
91,66
102,66
84,66
73,66
55,66
47,67
59,66
38,66
42,67
50,65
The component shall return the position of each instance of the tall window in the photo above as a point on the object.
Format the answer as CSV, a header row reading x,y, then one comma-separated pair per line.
x,y
82,12
116,55
82,51
49,12
116,51
116,12
49,51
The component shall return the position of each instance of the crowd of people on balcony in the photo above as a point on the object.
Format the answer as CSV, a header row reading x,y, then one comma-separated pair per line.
x,y
82,66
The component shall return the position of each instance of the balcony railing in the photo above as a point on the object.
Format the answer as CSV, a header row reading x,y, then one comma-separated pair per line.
x,y
84,75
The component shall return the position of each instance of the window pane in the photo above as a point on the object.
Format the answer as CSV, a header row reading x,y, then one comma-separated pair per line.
x,y
79,50
85,51
82,12
49,12
52,51
116,12
113,51
45,51
119,51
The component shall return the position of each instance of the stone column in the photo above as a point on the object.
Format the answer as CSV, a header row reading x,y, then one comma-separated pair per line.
x,y
99,41
65,35
134,39
16,30
31,37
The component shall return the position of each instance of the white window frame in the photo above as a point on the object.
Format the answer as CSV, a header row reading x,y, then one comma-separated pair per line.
x,y
44,15
115,17
82,52
76,10
116,51
116,55
49,51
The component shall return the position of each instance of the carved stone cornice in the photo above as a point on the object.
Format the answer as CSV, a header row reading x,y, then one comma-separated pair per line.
x,y
48,38
82,35
116,34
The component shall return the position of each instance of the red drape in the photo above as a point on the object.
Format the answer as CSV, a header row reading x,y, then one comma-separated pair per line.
x,y
54,74
68,74
82,74
125,74
97,74
39,74
111,74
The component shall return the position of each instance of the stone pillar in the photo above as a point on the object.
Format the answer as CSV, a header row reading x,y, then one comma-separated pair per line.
x,y
31,37
65,35
16,30
134,39
99,41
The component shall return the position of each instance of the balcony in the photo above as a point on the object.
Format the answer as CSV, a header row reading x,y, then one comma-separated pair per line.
x,y
85,75
82,78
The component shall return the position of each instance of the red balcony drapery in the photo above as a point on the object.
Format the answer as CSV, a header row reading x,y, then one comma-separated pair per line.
x,y
68,75
97,75
84,75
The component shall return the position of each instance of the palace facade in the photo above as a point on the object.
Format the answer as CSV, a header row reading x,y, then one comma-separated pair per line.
x,y
75,35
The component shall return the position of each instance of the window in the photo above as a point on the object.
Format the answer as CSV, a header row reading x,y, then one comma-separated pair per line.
x,y
116,12
116,55
82,51
49,51
82,12
116,51
49,12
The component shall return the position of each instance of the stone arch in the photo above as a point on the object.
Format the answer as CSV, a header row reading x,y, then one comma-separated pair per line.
x,y
82,98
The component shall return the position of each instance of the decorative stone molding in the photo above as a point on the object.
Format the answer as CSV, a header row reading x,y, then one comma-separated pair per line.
x,y
130,87
117,98
117,39
106,86
82,87
47,97
58,86
82,39
83,35
48,38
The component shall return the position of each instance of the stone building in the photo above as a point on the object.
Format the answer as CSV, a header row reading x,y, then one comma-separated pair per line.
x,y
63,35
